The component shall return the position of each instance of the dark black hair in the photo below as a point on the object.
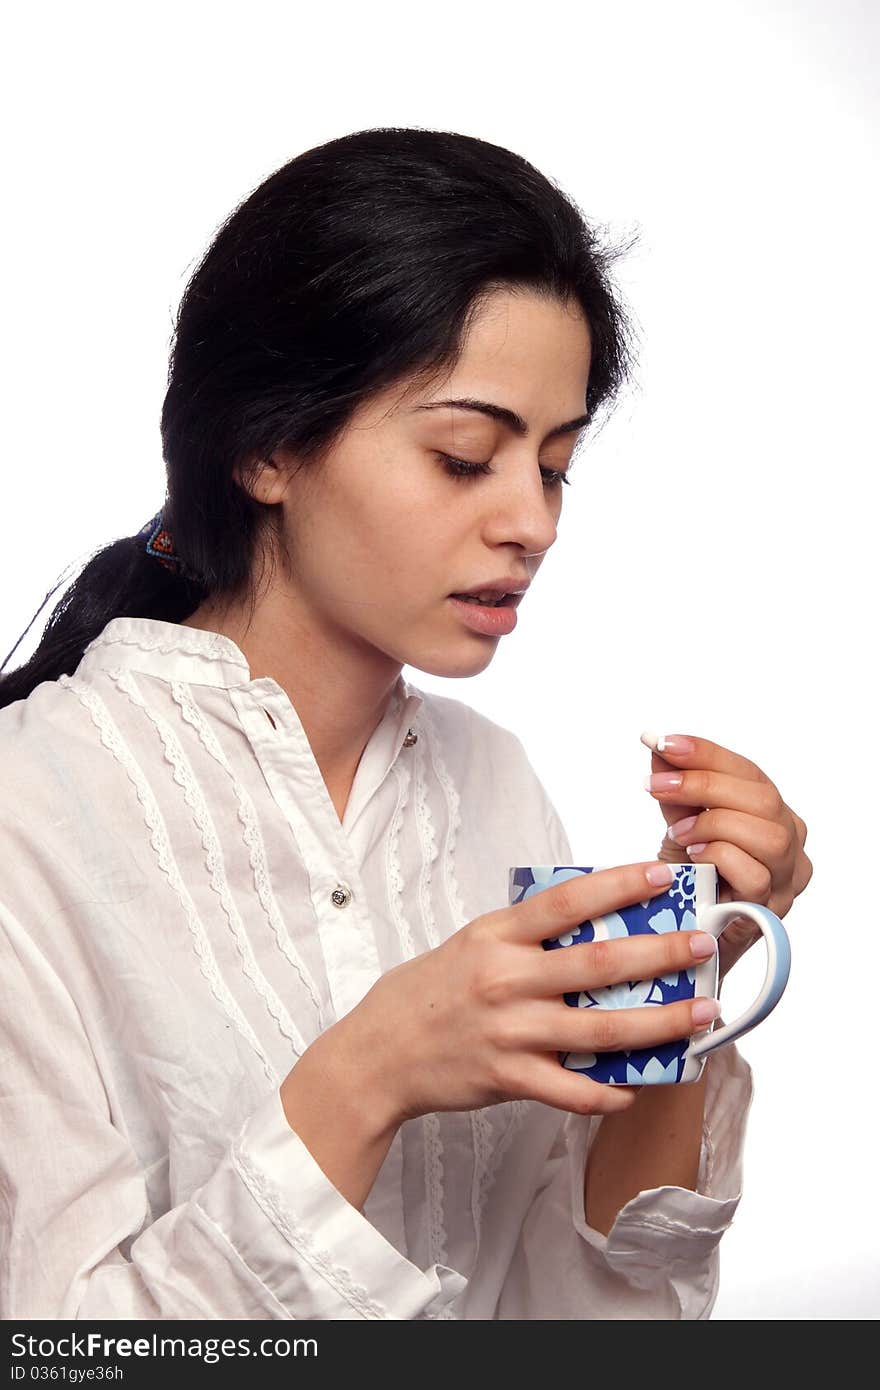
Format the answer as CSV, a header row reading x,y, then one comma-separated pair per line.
x,y
359,263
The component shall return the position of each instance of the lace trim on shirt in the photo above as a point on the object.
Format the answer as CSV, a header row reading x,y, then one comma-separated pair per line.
x,y
186,779
189,645
492,1158
112,739
302,1239
430,1123
428,843
393,873
487,1156
253,838
434,1183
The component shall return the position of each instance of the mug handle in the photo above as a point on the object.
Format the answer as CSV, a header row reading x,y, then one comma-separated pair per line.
x,y
714,919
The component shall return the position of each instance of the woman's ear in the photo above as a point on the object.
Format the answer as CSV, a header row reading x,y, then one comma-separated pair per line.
x,y
266,480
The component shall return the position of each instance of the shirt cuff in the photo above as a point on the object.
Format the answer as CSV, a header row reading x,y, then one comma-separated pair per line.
x,y
664,1227
317,1254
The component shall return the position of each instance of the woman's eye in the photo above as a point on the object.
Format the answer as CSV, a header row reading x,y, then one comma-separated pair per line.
x,y
460,468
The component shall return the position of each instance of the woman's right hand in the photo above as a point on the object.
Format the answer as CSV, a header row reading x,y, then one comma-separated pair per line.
x,y
480,1018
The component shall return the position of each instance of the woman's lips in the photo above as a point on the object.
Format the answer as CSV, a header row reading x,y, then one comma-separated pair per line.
x,y
490,620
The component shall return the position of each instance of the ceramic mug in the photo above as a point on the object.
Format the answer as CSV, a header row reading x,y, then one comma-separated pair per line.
x,y
690,903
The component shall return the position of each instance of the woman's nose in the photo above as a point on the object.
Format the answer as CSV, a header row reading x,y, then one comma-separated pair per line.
x,y
525,514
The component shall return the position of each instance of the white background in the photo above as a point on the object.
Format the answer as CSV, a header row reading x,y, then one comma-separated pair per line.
x,y
715,569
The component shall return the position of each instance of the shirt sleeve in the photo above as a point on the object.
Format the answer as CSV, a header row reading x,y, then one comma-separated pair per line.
x,y
267,1236
661,1257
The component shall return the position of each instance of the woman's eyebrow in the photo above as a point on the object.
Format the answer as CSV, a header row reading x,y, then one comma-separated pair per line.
x,y
507,417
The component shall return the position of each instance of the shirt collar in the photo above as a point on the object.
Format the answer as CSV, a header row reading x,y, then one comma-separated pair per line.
x,y
172,651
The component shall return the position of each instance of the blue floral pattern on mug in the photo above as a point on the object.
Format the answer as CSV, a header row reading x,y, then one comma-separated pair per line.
x,y
669,911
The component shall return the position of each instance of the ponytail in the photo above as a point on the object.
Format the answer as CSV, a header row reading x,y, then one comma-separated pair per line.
x,y
120,580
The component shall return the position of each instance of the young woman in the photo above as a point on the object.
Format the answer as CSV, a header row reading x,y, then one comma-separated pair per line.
x,y
273,1045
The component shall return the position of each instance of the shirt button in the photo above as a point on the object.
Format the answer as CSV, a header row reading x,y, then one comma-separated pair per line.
x,y
341,896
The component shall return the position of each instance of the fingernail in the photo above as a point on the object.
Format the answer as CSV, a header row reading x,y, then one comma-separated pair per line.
x,y
696,849
704,1010
675,743
659,874
681,827
662,781
703,945
663,743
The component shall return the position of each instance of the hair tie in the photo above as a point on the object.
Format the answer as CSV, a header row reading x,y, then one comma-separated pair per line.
x,y
160,543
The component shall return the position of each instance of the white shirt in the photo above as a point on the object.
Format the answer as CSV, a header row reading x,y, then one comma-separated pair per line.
x,y
170,945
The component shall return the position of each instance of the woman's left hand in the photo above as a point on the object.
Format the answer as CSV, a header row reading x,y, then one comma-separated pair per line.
x,y
742,826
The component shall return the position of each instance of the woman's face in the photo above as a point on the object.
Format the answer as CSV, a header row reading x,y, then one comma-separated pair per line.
x,y
382,533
